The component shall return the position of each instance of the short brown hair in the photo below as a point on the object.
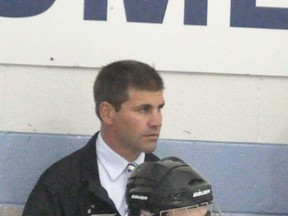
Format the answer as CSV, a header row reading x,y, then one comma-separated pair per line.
x,y
114,79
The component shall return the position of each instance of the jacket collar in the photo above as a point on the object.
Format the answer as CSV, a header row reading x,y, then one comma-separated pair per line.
x,y
90,173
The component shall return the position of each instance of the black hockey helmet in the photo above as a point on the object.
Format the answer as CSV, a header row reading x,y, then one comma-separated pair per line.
x,y
166,184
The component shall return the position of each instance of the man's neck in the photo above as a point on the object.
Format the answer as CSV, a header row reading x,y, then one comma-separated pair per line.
x,y
117,147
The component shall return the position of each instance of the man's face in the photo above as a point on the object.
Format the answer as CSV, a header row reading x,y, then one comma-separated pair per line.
x,y
198,211
136,126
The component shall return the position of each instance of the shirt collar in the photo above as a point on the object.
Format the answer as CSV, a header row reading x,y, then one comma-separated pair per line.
x,y
113,163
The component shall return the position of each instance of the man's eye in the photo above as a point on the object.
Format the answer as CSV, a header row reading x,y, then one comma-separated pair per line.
x,y
160,108
144,109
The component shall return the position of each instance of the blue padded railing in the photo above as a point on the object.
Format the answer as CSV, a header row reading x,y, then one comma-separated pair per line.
x,y
248,178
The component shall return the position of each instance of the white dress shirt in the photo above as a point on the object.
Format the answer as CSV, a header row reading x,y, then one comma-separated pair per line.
x,y
113,172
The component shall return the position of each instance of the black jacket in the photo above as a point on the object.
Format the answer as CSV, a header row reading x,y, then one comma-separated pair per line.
x,y
71,187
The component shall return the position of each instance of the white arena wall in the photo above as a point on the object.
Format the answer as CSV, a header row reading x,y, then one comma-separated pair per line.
x,y
199,106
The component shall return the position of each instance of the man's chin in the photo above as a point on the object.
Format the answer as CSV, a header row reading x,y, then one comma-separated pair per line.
x,y
150,147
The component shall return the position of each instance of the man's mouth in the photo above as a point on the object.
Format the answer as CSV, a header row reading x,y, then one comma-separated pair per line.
x,y
154,135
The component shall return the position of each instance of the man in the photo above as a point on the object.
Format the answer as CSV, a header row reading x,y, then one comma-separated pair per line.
x,y
92,180
169,187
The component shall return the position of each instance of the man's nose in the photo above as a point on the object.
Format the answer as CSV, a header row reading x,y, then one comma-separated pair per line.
x,y
155,119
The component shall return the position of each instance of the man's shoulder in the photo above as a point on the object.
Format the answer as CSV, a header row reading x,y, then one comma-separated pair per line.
x,y
68,169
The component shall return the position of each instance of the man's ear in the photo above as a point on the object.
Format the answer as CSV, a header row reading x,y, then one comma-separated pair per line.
x,y
106,111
